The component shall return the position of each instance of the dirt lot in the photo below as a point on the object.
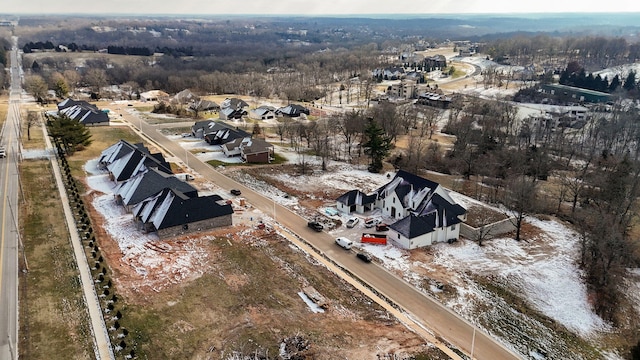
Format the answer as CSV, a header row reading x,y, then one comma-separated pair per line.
x,y
241,295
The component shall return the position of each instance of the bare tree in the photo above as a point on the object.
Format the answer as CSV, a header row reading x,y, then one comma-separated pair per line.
x,y
36,86
33,118
520,198
97,79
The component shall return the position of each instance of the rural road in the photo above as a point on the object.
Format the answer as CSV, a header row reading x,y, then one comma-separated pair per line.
x,y
9,237
424,310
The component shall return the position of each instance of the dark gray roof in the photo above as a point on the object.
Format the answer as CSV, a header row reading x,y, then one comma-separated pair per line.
x,y
407,186
171,208
413,226
82,111
221,133
120,149
202,125
256,146
293,110
142,186
134,162
356,197
234,103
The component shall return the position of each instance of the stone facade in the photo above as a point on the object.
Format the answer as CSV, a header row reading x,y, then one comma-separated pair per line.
x,y
195,227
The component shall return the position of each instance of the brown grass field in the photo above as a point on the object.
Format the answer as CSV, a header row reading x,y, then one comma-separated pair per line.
x,y
53,317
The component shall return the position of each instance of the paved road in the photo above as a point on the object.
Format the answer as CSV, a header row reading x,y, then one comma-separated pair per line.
x,y
423,309
9,237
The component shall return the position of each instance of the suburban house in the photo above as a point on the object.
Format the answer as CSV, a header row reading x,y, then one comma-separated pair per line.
x,y
154,95
292,110
203,105
233,108
218,133
172,213
140,187
553,116
231,113
257,151
251,150
434,99
264,112
435,62
124,161
392,73
356,201
201,127
184,97
234,103
423,210
83,112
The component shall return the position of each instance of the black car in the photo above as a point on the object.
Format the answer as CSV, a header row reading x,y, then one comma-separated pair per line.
x,y
364,256
236,192
315,226
382,227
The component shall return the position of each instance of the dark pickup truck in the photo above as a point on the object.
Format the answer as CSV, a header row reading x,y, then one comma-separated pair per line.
x,y
315,226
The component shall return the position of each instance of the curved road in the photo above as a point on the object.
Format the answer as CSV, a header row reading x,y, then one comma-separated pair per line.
x,y
424,310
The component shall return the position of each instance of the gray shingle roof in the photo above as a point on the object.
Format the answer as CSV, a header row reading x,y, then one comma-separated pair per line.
x,y
144,185
170,208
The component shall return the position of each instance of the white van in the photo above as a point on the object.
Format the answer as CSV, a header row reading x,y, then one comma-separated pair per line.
x,y
344,243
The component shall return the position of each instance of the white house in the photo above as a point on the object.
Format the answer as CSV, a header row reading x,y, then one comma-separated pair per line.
x,y
424,211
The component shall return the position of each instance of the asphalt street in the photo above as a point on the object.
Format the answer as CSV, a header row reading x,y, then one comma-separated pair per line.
x,y
424,310
9,236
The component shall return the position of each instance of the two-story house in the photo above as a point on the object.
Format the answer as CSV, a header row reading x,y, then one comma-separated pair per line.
x,y
423,210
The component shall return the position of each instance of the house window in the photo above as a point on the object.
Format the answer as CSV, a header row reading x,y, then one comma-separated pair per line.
x,y
394,200
185,227
453,227
398,236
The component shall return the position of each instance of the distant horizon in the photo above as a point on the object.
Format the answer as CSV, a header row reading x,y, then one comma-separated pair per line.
x,y
337,15
331,8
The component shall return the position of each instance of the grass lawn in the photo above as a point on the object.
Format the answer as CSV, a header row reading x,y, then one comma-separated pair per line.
x,y
53,317
102,137
4,107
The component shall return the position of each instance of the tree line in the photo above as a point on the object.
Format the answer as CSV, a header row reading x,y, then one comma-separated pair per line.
x,y
589,176
575,75
595,52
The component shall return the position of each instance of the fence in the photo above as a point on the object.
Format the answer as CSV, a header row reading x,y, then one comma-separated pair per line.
x,y
487,231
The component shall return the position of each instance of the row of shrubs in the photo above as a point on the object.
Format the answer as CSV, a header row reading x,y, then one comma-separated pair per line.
x,y
124,348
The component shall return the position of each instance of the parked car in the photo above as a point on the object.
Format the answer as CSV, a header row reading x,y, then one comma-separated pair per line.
x,y
3,152
352,222
236,192
364,256
315,226
382,227
344,243
371,223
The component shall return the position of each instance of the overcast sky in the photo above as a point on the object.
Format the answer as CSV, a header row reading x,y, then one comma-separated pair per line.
x,y
311,7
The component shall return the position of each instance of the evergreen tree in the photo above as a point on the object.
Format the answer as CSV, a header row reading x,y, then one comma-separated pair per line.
x,y
630,81
70,133
615,84
377,145
61,88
